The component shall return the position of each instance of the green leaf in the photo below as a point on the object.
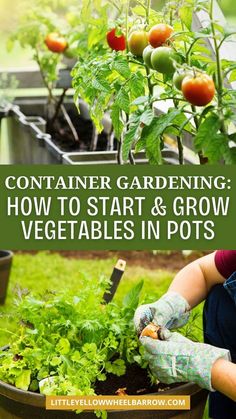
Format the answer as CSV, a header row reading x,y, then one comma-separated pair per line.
x,y
56,360
23,380
230,155
147,117
140,100
116,120
131,300
140,145
216,148
186,13
151,135
130,138
209,127
121,65
117,367
101,84
122,100
76,356
136,85
153,150
210,141
63,346
232,76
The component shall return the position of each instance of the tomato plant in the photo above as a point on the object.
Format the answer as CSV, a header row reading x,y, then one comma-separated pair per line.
x,y
47,35
131,85
55,33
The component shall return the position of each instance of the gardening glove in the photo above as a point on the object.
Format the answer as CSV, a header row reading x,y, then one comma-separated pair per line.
x,y
171,311
178,359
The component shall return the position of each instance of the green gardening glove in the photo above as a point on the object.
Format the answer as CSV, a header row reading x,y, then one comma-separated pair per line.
x,y
178,359
171,311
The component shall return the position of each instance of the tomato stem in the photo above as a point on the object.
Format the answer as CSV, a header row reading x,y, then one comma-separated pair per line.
x,y
148,11
148,72
219,73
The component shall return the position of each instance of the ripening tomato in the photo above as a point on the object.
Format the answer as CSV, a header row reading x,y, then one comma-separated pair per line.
x,y
163,59
137,42
199,90
147,53
159,34
116,42
56,42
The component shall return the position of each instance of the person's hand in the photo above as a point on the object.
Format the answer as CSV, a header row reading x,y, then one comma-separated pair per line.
x,y
171,311
178,359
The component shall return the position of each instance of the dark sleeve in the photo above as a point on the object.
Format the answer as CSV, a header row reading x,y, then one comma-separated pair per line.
x,y
225,261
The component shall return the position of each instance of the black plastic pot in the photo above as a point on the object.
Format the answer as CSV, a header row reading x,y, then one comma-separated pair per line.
x,y
28,142
18,404
5,269
4,110
170,156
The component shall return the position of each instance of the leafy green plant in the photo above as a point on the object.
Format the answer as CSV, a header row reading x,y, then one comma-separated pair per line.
x,y
125,84
59,334
38,25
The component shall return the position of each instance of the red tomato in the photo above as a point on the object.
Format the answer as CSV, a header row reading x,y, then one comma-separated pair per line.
x,y
198,90
117,43
55,42
159,34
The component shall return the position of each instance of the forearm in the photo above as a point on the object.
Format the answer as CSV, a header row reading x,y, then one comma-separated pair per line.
x,y
223,377
196,280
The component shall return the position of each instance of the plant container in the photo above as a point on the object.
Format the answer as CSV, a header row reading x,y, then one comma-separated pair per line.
x,y
19,404
28,141
169,154
5,270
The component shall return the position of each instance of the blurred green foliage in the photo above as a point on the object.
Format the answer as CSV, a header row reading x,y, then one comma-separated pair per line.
x,y
11,11
228,7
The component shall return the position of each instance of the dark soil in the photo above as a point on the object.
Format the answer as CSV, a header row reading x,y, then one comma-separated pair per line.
x,y
62,135
173,261
134,382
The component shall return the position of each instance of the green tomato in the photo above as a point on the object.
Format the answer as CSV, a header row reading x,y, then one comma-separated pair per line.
x,y
147,53
71,51
178,78
162,60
